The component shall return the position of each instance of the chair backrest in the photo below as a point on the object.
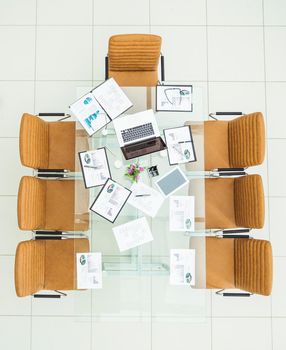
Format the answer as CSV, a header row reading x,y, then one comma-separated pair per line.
x,y
253,265
29,267
246,143
134,52
31,203
249,201
34,142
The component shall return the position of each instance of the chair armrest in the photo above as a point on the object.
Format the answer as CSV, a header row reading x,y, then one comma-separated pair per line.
x,y
162,68
106,67
232,294
57,295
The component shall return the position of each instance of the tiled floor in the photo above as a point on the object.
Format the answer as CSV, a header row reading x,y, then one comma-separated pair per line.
x,y
236,50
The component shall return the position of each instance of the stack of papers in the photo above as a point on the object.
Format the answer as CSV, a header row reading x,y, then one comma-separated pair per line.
x,y
132,234
145,198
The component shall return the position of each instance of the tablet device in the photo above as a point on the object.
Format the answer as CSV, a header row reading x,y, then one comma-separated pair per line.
x,y
172,181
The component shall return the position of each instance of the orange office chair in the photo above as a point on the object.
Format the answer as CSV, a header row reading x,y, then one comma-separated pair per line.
x,y
234,202
237,143
239,263
133,59
45,145
50,205
47,265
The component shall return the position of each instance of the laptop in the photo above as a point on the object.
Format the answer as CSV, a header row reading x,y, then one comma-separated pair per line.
x,y
138,134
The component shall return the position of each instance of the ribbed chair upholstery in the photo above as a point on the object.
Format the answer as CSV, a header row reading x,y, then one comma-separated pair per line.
x,y
47,145
239,263
237,143
50,205
234,202
133,59
47,265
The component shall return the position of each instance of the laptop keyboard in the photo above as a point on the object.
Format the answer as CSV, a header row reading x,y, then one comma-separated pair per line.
x,y
138,132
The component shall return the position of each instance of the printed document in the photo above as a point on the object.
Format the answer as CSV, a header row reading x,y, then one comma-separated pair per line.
x,y
180,145
145,198
112,98
110,200
182,213
174,98
132,234
89,270
95,167
182,267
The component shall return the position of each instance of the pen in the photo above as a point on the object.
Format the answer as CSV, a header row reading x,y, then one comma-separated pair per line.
x,y
142,195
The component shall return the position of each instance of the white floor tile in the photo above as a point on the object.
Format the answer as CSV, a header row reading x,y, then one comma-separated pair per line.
x,y
277,234
10,304
276,168
279,288
279,335
179,302
235,54
101,36
132,297
11,112
10,166
275,53
64,12
64,53
17,59
274,12
57,96
15,332
232,12
168,334
237,97
276,122
184,49
242,333
76,303
184,12
254,306
17,12
121,333
124,12
70,333
10,234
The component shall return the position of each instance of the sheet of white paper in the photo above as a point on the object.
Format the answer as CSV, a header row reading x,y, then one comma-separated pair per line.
x,y
180,147
95,167
182,213
132,234
182,267
112,98
89,113
89,270
174,98
110,200
149,204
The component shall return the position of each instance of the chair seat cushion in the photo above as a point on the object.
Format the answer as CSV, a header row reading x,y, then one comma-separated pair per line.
x,y
220,263
219,203
60,262
135,78
62,145
216,144
61,213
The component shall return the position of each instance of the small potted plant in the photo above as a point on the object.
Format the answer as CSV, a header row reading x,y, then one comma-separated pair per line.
x,y
133,172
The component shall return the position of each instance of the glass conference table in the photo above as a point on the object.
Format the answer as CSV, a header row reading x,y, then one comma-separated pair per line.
x,y
136,282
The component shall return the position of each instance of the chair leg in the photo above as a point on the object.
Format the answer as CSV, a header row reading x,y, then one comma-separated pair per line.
x,y
57,295
106,67
232,294
162,68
